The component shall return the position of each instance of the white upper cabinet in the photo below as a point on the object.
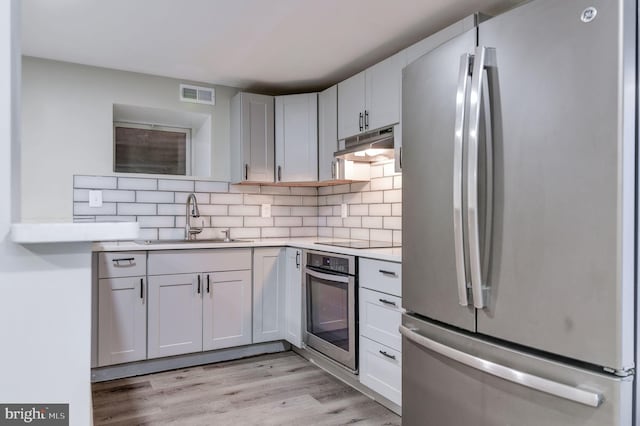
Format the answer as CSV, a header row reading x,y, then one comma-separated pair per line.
x,y
383,92
296,127
371,99
327,133
351,105
252,138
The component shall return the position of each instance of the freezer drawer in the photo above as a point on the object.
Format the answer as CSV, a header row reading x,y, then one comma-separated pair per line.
x,y
440,386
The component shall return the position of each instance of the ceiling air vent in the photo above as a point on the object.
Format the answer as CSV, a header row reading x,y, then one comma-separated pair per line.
x,y
197,94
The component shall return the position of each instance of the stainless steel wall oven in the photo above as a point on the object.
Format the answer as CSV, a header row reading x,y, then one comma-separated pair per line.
x,y
331,306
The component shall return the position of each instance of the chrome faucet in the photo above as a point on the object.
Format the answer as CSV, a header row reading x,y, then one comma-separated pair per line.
x,y
190,232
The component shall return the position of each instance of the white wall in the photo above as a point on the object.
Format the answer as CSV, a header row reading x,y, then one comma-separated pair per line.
x,y
45,289
67,127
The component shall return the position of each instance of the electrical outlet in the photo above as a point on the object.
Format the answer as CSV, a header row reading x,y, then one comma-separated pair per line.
x,y
266,210
95,198
344,211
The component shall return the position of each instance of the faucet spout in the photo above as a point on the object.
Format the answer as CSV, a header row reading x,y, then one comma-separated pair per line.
x,y
191,210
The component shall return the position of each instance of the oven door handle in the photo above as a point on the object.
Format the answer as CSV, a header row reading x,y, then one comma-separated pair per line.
x,y
328,277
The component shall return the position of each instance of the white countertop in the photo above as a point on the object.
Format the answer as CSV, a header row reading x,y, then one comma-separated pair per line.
x,y
65,232
313,243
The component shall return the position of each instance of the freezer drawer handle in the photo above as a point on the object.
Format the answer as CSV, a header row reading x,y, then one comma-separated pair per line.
x,y
387,302
561,390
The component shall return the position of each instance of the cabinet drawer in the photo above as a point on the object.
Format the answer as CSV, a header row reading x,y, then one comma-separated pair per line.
x,y
381,276
122,264
380,317
189,261
381,369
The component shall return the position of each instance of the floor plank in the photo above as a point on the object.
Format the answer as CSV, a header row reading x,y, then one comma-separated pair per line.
x,y
274,389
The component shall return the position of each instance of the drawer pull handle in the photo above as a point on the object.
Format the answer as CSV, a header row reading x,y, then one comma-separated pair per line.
x,y
387,302
388,355
385,272
142,288
124,259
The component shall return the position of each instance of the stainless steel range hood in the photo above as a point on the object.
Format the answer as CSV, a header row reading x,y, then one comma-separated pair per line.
x,y
373,146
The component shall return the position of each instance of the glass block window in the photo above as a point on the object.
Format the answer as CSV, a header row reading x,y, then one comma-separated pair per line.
x,y
142,148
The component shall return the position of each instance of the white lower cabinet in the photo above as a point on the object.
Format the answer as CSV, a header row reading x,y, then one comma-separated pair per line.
x,y
175,314
122,320
293,297
226,310
381,369
268,294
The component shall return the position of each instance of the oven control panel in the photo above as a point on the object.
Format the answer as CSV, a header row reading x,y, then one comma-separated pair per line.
x,y
328,262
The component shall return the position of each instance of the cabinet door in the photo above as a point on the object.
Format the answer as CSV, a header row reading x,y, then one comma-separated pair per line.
x,y
226,309
351,106
293,297
296,127
268,294
175,315
327,132
383,92
252,139
122,320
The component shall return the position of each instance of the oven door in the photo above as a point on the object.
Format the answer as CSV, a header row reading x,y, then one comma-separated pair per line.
x,y
331,316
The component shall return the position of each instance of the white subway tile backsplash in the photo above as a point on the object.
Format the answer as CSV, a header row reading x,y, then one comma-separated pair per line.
x,y
352,222
211,210
393,196
118,196
201,197
258,221
322,201
243,189
207,186
226,198
381,234
157,221
359,233
382,183
83,209
288,200
334,199
153,197
171,233
304,232
397,182
325,211
85,219
334,221
80,195
280,211
138,183
309,201
341,233
360,187
288,221
275,190
372,197
325,190
372,222
358,209
95,182
380,209
176,185
245,232
397,237
148,233
115,219
203,221
352,198
275,232
341,189
310,221
377,171
304,190
396,209
304,211
242,210
392,222
137,209
325,232
322,221
258,199
227,222
173,209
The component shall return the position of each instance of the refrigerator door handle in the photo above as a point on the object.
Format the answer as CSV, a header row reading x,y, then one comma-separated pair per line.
x,y
458,140
485,57
571,393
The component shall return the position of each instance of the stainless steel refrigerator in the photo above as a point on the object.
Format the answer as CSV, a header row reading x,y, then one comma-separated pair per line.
x,y
519,175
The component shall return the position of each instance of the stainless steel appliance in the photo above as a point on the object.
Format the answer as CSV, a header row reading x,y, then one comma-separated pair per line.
x,y
331,316
519,184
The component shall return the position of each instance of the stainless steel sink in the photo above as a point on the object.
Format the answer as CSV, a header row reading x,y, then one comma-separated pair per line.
x,y
211,240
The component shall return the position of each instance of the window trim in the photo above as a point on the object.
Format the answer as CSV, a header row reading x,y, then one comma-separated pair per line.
x,y
151,126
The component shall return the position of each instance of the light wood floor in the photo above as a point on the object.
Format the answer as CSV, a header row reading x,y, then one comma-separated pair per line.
x,y
276,389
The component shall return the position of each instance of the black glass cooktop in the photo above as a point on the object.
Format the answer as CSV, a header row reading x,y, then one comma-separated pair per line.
x,y
359,244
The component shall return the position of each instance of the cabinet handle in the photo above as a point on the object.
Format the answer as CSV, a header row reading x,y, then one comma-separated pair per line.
x,y
366,119
142,288
360,121
297,259
208,288
123,259
333,170
400,155
246,172
198,284
388,355
279,173
390,273
387,302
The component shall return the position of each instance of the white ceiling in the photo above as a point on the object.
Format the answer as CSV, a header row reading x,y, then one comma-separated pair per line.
x,y
276,46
